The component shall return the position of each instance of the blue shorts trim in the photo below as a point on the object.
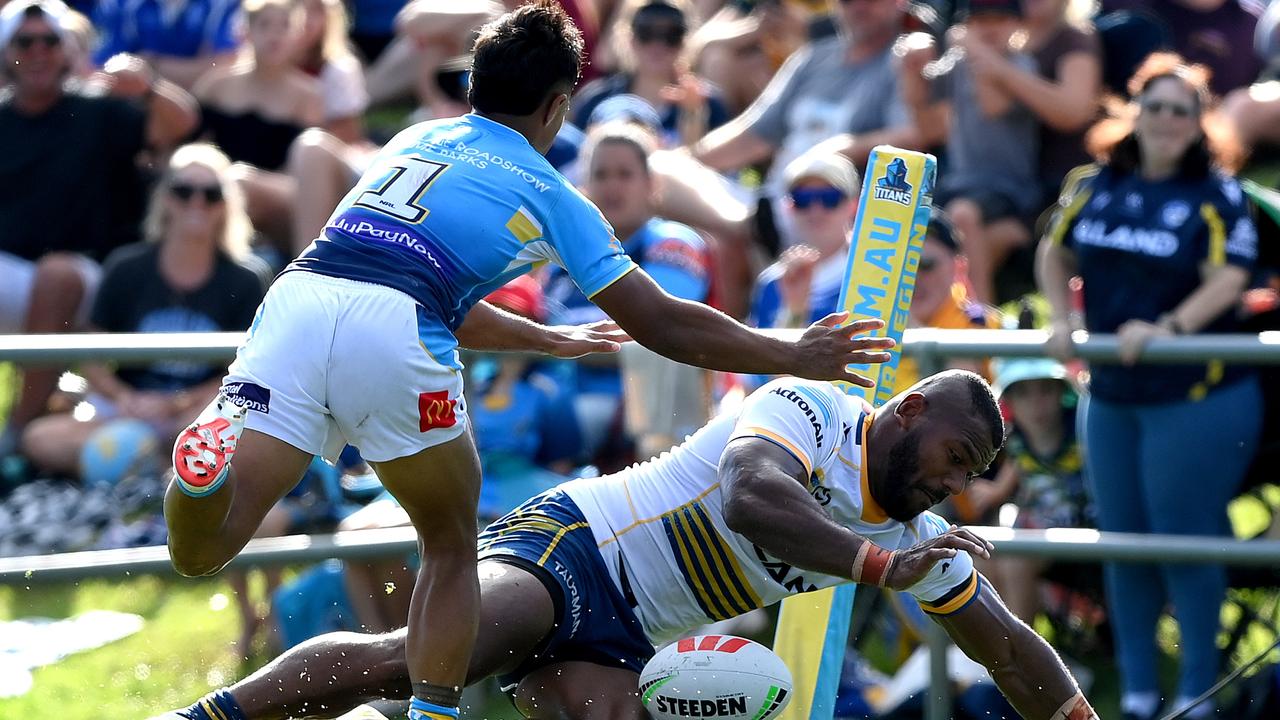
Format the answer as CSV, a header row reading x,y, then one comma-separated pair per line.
x,y
549,537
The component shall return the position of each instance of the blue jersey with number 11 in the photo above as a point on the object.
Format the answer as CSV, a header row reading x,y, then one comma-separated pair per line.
x,y
452,209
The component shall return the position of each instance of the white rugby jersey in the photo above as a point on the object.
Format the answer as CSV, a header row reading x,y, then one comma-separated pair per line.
x,y
660,525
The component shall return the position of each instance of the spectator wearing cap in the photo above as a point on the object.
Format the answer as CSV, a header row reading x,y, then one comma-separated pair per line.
x,y
654,71
804,284
1041,470
182,39
991,186
84,139
615,167
941,299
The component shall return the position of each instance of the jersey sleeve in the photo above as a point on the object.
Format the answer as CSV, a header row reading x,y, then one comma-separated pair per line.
x,y
108,18
1233,238
953,583
678,262
800,416
585,245
225,25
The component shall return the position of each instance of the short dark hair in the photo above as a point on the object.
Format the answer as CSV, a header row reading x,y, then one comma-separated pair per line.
x,y
522,56
986,407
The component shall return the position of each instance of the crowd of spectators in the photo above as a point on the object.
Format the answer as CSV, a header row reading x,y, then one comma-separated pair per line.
x,y
161,158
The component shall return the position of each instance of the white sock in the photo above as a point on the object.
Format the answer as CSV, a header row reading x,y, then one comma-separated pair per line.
x,y
1142,704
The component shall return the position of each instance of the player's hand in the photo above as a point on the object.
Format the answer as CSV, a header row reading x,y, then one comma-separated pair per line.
x,y
825,351
911,565
1134,336
571,341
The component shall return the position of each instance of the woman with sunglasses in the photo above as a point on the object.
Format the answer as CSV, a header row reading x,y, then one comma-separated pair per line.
x,y
187,275
1164,243
655,70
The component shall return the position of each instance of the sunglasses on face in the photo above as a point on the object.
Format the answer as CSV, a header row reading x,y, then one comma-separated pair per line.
x,y
1178,110
927,264
29,40
668,34
828,197
212,193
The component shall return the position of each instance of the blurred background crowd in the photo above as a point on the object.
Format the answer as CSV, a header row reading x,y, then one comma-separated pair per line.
x,y
1103,165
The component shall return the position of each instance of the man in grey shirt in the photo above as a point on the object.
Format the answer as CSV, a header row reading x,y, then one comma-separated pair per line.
x,y
845,84
990,188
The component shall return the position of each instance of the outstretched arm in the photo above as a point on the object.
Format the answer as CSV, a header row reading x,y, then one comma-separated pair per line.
x,y
695,334
490,328
1024,666
766,500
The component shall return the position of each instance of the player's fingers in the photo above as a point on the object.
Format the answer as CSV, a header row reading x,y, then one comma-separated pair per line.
x,y
868,358
833,319
860,326
578,348
973,536
959,542
872,343
856,379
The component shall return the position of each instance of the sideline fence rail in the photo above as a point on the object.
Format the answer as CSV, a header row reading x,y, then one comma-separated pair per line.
x,y
132,348
929,346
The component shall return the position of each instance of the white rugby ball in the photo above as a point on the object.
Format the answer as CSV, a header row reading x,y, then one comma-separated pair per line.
x,y
715,676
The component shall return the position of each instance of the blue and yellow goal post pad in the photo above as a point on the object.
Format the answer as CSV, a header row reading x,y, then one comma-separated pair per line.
x,y
893,215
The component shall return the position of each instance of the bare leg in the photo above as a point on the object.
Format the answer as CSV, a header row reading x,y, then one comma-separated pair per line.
x,y
516,612
580,691
53,442
205,533
439,488
321,176
56,296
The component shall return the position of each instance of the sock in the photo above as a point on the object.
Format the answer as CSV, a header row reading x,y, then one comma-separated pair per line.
x,y
1142,704
423,710
215,706
1203,710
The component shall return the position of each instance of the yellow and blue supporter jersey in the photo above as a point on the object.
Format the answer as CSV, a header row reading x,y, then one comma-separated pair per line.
x,y
1142,247
452,209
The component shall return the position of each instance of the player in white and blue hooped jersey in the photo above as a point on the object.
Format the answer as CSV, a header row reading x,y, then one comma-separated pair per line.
x,y
357,341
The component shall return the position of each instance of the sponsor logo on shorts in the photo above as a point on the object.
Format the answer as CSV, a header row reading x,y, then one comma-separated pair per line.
x,y
805,408
436,410
248,396
893,185
732,706
575,602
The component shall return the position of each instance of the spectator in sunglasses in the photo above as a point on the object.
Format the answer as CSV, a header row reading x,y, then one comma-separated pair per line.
x,y
656,71
821,200
82,139
188,275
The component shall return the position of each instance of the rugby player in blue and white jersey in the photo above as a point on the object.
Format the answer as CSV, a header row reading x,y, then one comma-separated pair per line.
x,y
803,488
356,342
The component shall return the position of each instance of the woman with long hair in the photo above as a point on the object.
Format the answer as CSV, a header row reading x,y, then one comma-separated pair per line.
x,y
255,109
187,274
1162,238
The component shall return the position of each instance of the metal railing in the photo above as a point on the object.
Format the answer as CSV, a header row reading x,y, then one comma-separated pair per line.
x,y
929,346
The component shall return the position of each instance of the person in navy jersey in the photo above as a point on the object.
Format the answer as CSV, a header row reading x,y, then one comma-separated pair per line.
x,y
1165,246
182,40
616,176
